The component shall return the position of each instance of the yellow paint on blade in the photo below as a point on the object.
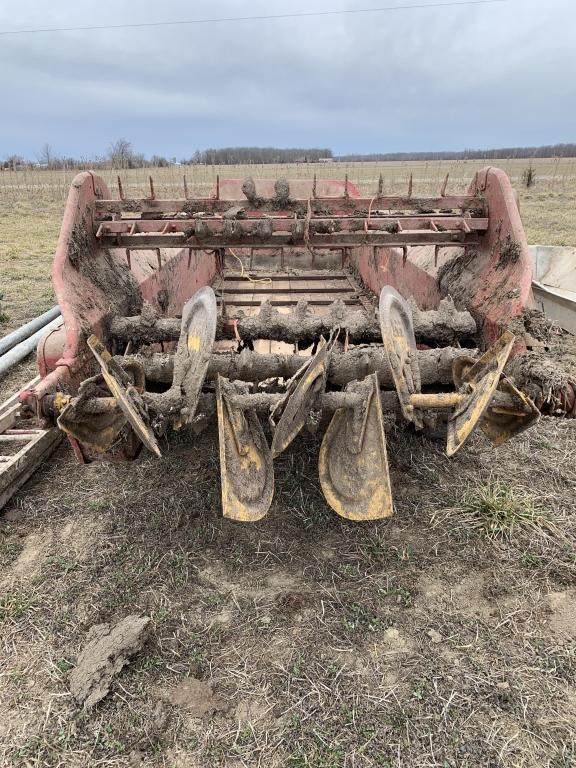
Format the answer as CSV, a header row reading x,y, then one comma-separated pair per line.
x,y
193,343
61,400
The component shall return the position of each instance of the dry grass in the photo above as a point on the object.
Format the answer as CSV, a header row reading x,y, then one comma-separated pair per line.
x,y
558,175
28,235
549,215
328,644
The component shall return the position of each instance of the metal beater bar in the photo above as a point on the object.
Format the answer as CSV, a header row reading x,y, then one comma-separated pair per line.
x,y
275,233
333,204
435,365
231,301
278,224
445,325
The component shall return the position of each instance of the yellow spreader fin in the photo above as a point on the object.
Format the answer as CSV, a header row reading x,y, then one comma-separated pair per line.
x,y
479,382
246,469
122,396
300,398
500,424
354,472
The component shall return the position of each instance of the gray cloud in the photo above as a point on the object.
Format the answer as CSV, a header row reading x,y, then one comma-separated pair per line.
x,y
439,78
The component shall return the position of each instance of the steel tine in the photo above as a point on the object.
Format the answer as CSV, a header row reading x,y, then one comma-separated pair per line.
x,y
444,185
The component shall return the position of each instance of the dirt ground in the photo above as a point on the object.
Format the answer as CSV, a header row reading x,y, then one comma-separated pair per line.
x,y
444,637
302,640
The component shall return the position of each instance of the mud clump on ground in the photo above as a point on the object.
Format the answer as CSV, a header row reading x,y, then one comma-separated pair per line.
x,y
196,697
107,651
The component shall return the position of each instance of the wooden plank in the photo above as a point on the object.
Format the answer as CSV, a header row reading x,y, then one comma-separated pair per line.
x,y
16,468
15,398
20,467
9,417
10,408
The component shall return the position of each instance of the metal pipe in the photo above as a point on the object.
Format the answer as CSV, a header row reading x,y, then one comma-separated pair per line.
x,y
22,350
20,334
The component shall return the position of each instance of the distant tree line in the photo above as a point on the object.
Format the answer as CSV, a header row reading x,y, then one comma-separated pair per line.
x,y
508,153
121,156
248,155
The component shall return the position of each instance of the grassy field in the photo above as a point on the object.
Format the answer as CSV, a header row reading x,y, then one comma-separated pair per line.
x,y
31,205
443,638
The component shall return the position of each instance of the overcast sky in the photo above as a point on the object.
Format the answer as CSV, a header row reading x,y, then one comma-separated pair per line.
x,y
474,76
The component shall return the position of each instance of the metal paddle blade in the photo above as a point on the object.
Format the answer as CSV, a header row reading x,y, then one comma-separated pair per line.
x,y
303,391
124,393
400,344
353,464
500,423
479,383
197,335
246,469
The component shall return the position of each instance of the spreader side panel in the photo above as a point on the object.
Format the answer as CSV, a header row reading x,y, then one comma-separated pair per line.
x,y
495,281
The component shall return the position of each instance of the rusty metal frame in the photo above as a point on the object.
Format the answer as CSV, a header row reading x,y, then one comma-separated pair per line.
x,y
277,231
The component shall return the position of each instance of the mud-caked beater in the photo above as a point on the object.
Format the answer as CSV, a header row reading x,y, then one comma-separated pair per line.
x,y
276,308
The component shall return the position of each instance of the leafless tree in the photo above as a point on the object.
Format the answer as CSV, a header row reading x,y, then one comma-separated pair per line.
x,y
46,156
120,154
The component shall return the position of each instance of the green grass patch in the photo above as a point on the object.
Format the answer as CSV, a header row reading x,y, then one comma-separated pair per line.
x,y
14,607
498,511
